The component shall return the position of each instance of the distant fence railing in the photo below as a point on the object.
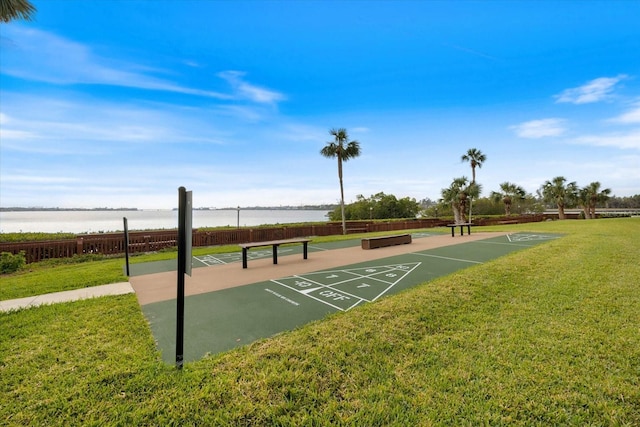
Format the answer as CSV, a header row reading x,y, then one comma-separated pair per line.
x,y
151,241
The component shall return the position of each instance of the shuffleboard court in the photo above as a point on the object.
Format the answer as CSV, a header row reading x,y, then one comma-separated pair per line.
x,y
221,320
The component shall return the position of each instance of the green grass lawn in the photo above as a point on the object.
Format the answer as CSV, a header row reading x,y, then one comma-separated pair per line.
x,y
545,336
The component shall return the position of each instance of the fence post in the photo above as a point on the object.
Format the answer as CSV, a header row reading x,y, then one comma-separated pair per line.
x,y
80,246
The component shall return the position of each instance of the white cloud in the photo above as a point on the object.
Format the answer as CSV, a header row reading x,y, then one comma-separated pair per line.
x,y
246,90
630,117
51,125
539,128
38,179
43,56
623,141
593,91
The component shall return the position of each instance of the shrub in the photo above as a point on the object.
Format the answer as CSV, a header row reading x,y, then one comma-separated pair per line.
x,y
10,263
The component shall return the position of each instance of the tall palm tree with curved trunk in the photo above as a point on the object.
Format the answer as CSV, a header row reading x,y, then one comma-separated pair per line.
x,y
590,196
476,158
342,149
509,192
560,193
16,9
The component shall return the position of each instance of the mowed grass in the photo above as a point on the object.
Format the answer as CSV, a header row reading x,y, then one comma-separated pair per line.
x,y
545,336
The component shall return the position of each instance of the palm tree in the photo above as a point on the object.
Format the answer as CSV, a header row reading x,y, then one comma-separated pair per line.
x,y
16,9
458,195
476,158
557,192
450,197
344,151
509,192
590,196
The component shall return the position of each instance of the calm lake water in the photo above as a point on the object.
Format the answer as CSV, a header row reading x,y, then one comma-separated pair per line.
x,y
106,221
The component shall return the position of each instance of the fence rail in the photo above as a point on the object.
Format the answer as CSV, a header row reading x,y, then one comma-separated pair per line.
x,y
150,241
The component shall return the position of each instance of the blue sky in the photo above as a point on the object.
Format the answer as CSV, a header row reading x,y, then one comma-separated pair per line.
x,y
119,103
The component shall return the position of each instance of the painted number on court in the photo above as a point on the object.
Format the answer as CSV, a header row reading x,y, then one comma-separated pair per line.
x,y
334,296
303,284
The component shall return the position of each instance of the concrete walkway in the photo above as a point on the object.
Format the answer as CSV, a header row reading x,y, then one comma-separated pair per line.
x,y
66,296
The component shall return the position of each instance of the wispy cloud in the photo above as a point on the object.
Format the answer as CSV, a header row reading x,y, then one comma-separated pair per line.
x,y
244,90
540,128
38,179
50,125
593,91
629,117
630,140
37,55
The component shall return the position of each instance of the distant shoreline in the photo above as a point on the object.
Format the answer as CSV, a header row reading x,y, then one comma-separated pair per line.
x,y
19,209
271,208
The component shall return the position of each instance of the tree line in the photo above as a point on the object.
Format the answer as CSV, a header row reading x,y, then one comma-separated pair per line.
x,y
462,197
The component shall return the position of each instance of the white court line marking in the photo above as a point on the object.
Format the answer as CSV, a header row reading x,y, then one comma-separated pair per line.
x,y
318,248
209,260
384,270
361,276
323,301
517,237
328,286
397,281
501,243
444,257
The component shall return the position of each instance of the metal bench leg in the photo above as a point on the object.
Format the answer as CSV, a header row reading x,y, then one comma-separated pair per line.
x,y
304,250
469,230
453,231
244,257
275,254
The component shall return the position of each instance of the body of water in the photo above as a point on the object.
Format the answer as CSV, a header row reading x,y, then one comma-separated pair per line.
x,y
79,222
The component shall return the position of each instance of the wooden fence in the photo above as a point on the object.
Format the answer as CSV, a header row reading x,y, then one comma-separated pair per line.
x,y
151,241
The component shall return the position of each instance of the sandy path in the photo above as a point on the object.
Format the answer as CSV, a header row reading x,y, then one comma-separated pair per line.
x,y
162,286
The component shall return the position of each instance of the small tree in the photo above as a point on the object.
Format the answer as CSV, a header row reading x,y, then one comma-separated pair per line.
x,y
457,195
378,206
590,196
10,263
509,192
556,191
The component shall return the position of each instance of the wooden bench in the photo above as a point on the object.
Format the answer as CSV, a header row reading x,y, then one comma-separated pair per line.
x,y
274,243
382,241
453,227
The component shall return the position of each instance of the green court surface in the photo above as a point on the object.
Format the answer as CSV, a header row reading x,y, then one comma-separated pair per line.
x,y
221,320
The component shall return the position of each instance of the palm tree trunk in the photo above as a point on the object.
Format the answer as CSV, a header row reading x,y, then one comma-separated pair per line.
x,y
344,224
456,212
561,211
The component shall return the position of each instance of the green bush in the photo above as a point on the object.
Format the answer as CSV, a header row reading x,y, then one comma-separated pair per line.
x,y
10,263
